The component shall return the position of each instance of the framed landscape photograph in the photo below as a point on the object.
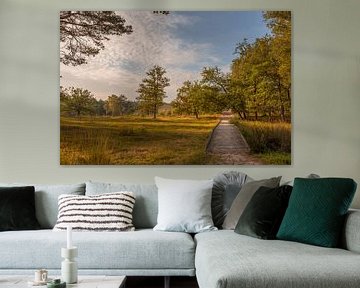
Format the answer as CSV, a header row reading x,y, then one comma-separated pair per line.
x,y
175,88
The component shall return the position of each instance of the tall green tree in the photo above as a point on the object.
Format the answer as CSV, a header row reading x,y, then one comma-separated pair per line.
x,y
217,87
250,72
77,101
190,99
152,90
280,24
261,72
82,33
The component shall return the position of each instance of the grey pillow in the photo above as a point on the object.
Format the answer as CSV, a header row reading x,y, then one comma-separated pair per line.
x,y
146,204
46,200
226,187
184,205
243,198
310,176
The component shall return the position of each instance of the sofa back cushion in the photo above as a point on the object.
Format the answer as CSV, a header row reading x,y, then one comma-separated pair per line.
x,y
46,200
146,204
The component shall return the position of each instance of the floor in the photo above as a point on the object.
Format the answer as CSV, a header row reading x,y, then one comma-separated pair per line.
x,y
158,282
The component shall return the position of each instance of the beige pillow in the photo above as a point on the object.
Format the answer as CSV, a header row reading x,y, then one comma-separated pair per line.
x,y
243,198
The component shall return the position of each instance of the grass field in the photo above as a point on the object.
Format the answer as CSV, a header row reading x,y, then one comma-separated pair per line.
x,y
134,140
271,142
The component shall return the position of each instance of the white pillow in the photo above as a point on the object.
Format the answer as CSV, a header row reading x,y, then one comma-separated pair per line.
x,y
184,205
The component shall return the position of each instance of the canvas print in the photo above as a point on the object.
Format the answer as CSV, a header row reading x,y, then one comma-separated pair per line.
x,y
175,87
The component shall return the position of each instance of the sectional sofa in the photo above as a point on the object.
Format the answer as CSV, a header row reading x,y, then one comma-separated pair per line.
x,y
219,259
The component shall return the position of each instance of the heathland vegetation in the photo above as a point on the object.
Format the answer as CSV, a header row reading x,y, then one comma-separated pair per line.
x,y
150,130
135,140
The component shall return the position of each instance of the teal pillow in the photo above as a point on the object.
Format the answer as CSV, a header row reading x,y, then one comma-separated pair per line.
x,y
316,211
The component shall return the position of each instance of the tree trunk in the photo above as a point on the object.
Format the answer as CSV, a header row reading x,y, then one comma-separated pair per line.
x,y
282,108
288,94
155,111
196,114
256,105
238,112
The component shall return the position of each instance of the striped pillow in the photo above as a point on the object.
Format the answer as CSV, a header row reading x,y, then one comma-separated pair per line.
x,y
105,212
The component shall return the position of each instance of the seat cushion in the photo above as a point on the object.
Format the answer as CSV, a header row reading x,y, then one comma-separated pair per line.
x,y
225,259
143,249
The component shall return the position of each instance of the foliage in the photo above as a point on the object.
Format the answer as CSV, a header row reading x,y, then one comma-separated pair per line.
x,y
99,107
135,140
151,90
87,146
275,158
190,99
264,137
82,33
217,90
262,69
77,101
113,105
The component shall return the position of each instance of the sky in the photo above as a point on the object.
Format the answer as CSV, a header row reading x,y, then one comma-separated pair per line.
x,y
181,42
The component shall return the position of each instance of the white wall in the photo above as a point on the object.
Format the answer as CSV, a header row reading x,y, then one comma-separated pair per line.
x,y
326,91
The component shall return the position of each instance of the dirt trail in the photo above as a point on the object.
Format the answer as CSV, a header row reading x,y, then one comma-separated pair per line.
x,y
228,144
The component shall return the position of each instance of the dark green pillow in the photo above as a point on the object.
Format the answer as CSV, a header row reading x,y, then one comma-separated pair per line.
x,y
264,212
17,208
316,211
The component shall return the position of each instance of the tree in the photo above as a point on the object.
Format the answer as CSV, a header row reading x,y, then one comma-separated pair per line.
x,y
250,72
217,87
82,33
130,107
114,105
99,107
280,24
190,99
77,101
152,90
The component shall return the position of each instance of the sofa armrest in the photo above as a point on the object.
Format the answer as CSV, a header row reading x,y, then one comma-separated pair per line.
x,y
351,234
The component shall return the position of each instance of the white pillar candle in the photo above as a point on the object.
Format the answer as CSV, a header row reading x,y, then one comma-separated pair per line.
x,y
69,237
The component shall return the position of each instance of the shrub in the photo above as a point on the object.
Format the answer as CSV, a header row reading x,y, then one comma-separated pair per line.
x,y
265,137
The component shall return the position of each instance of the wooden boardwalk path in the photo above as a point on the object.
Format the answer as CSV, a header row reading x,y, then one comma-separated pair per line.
x,y
229,145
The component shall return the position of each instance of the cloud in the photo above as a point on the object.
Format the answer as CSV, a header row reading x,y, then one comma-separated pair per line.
x,y
155,41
